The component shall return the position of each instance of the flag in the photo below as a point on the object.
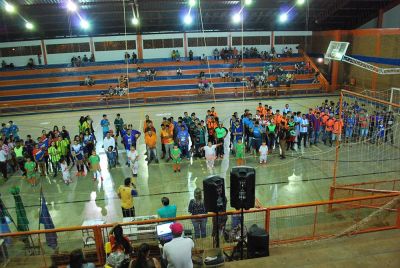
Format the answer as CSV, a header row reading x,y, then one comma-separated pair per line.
x,y
45,219
22,219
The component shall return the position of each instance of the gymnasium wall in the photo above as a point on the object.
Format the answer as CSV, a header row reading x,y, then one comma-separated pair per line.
x,y
149,46
379,46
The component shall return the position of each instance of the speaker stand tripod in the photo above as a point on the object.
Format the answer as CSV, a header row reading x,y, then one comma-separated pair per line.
x,y
238,248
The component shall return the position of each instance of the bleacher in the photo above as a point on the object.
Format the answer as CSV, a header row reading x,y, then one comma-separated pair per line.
x,y
57,87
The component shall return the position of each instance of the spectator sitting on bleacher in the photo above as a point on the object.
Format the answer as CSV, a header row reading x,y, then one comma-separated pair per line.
x,y
121,248
216,54
179,71
222,75
3,64
316,75
89,81
143,258
85,58
177,56
290,52
237,63
127,57
30,63
138,71
201,75
153,74
148,73
173,55
78,61
92,58
76,260
203,59
201,86
285,51
111,91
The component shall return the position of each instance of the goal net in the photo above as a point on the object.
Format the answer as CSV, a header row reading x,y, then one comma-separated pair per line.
x,y
368,153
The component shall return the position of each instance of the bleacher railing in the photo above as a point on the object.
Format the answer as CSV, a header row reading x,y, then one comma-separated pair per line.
x,y
322,80
285,224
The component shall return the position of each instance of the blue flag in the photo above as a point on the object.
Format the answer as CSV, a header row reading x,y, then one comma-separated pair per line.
x,y
45,219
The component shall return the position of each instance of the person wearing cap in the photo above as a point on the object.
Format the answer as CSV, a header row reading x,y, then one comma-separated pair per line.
x,y
178,251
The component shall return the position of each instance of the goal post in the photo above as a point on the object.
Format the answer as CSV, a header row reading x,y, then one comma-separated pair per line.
x,y
368,142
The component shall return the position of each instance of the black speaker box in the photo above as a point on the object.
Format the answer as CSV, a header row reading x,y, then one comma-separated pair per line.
x,y
243,187
257,242
214,193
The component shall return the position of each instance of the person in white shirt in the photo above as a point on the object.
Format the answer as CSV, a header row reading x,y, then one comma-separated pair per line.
x,y
133,157
303,131
178,251
263,152
65,172
210,154
3,161
287,109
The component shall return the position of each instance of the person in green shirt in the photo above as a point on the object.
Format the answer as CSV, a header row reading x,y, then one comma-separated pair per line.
x,y
176,158
30,168
239,149
94,161
55,156
220,133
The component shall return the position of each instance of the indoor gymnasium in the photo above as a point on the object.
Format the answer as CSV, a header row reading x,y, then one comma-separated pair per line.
x,y
199,133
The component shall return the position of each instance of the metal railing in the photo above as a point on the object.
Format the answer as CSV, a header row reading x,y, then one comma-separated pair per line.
x,y
285,224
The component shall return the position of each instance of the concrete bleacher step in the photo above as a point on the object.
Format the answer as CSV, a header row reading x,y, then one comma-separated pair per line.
x,y
379,249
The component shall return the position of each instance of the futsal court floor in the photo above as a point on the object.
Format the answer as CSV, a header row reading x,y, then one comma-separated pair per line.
x,y
304,176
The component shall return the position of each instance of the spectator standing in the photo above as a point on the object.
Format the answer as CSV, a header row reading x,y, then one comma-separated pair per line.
x,y
39,57
3,160
178,251
304,125
76,260
190,55
127,57
126,193
105,124
196,207
119,125
167,210
150,139
134,57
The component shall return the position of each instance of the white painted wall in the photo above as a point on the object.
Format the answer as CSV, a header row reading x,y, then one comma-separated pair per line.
x,y
256,33
21,60
198,51
147,53
161,52
65,57
114,54
279,48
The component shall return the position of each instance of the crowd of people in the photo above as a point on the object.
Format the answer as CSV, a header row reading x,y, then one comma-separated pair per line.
x,y
190,136
78,61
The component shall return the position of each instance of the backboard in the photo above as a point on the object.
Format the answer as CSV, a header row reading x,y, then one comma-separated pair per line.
x,y
336,50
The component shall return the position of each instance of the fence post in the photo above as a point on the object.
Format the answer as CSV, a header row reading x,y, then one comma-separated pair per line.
x,y
267,219
98,237
398,218
331,197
